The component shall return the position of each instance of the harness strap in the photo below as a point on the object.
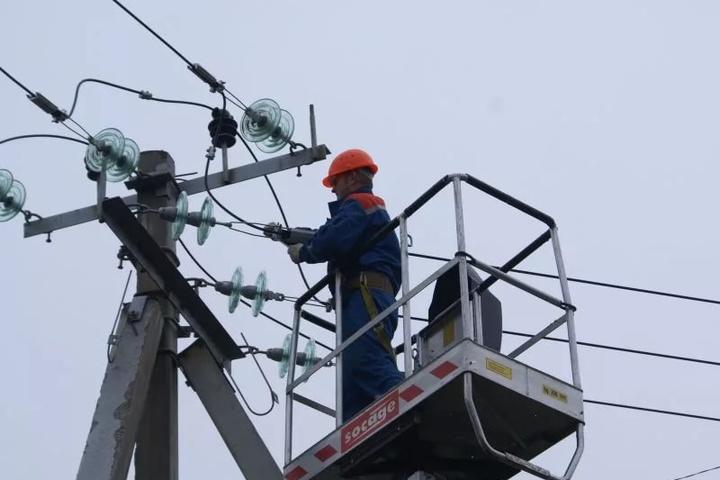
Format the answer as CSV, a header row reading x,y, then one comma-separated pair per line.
x,y
378,329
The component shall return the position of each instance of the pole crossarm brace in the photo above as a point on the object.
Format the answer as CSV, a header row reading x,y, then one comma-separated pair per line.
x,y
169,279
191,187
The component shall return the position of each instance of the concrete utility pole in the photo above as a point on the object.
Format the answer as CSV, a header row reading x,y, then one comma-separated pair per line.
x,y
135,405
156,452
137,408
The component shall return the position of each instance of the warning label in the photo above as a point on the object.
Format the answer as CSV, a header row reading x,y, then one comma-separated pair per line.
x,y
555,394
498,368
369,422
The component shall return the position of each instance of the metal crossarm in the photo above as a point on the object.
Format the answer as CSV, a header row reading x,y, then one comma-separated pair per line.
x,y
154,260
191,187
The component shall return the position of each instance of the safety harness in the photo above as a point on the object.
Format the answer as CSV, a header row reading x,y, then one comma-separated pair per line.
x,y
364,282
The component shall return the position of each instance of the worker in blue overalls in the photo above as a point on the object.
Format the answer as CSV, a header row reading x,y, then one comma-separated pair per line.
x,y
369,284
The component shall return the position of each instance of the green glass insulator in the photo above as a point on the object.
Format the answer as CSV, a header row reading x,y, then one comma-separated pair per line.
x,y
260,120
178,225
309,354
206,216
259,301
107,148
234,297
12,203
280,136
6,180
285,362
125,164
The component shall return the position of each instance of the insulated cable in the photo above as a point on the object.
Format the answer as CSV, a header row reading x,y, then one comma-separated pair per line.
x,y
209,157
269,317
591,282
282,214
167,44
653,410
143,94
621,349
697,473
273,395
17,82
43,135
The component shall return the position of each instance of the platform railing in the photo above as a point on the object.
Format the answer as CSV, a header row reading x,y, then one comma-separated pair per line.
x,y
462,259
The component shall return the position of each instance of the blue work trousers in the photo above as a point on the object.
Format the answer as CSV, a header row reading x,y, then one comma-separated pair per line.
x,y
368,369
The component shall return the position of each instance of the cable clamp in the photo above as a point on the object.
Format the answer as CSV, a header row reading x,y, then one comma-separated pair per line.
x,y
145,95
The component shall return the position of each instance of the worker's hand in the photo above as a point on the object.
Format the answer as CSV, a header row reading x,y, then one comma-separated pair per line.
x,y
294,252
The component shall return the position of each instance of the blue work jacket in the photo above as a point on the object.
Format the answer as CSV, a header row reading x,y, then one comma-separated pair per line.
x,y
353,220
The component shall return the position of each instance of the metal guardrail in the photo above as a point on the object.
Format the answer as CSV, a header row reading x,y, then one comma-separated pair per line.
x,y
462,259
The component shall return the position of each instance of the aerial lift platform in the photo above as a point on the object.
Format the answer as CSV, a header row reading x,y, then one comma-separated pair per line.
x,y
464,409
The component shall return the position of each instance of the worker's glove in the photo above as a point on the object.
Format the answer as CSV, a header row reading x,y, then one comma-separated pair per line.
x,y
294,252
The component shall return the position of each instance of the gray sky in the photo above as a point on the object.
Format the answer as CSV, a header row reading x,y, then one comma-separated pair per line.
x,y
602,114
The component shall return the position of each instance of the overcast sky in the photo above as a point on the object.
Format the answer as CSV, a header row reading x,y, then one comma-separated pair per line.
x,y
602,114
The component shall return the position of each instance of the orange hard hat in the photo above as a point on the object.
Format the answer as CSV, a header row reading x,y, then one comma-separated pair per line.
x,y
347,161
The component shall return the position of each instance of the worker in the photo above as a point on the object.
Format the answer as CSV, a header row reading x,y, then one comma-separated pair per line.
x,y
369,283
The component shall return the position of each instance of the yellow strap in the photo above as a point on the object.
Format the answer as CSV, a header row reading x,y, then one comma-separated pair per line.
x,y
379,330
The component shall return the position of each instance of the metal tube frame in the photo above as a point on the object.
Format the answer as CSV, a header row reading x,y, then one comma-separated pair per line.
x,y
468,305
405,269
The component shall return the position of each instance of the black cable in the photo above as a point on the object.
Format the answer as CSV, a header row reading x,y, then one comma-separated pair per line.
x,y
74,131
117,317
652,410
142,94
287,327
623,287
80,127
17,82
207,171
239,105
282,213
192,257
592,282
242,105
153,32
273,395
698,473
43,135
244,232
621,349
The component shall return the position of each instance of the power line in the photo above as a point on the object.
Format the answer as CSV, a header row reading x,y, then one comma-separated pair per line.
x,y
167,44
269,317
143,94
591,282
622,349
43,135
17,82
698,473
653,410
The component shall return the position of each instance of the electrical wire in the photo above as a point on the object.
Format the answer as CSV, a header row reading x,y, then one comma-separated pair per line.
x,y
242,105
207,171
621,349
282,213
75,131
273,395
17,82
652,410
111,359
167,44
592,282
269,317
697,473
43,135
145,95
80,127
195,261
